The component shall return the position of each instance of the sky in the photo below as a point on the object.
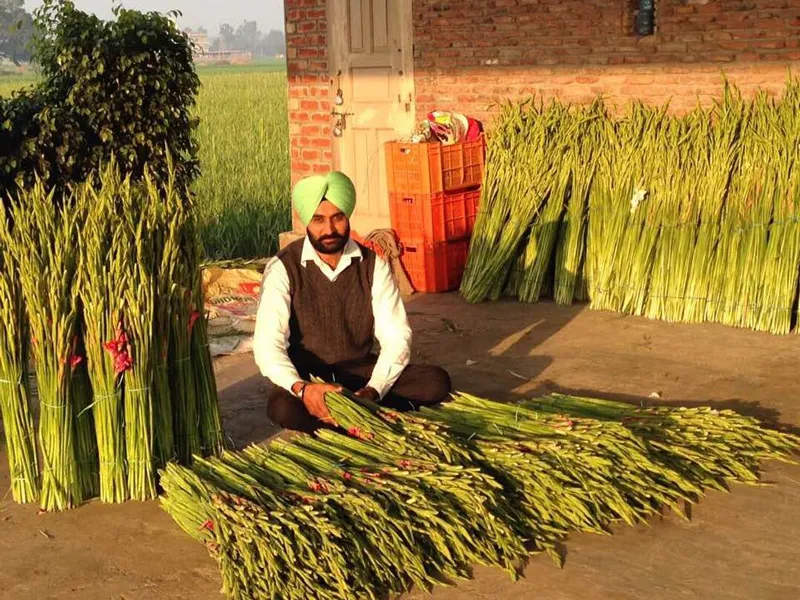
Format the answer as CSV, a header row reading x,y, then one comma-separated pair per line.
x,y
207,13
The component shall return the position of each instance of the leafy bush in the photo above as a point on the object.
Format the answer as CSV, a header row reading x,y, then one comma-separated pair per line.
x,y
124,89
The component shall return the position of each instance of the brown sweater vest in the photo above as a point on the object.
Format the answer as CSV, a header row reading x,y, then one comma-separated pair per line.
x,y
331,321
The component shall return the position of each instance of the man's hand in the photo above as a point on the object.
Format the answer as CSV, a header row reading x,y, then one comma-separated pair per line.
x,y
369,393
314,399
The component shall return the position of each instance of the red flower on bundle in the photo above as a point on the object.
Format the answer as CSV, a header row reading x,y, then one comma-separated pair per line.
x,y
318,486
347,476
192,320
75,361
405,464
120,351
359,434
208,525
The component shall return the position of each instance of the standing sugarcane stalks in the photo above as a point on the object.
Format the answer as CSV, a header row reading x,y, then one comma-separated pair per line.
x,y
15,406
417,499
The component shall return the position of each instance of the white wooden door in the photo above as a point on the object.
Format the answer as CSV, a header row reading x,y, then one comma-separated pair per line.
x,y
372,62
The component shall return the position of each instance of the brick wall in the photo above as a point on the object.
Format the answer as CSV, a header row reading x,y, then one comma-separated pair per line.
x,y
309,88
470,54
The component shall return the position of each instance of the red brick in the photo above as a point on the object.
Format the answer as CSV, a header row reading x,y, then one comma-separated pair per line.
x,y
768,44
311,130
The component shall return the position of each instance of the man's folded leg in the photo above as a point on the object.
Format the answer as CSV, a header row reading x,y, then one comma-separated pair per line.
x,y
287,411
419,385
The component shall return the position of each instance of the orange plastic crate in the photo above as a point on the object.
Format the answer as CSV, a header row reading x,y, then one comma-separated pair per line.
x,y
443,217
435,267
434,168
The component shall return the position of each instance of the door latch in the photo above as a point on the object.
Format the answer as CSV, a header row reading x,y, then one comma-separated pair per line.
x,y
341,122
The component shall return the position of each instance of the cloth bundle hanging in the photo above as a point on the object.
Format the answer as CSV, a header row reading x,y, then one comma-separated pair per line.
x,y
386,240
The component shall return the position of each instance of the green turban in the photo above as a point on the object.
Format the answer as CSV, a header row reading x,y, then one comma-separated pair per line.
x,y
335,187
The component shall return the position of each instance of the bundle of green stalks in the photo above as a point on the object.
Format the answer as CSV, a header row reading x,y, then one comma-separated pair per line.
x,y
103,285
389,500
687,218
15,408
43,241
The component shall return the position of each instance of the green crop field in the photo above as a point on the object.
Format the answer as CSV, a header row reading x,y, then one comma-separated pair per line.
x,y
243,193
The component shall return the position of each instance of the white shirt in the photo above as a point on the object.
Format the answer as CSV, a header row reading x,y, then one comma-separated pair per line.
x,y
271,337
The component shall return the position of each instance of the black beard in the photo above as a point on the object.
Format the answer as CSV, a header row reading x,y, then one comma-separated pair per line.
x,y
320,247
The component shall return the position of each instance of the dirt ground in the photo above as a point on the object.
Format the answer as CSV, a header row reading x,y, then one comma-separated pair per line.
x,y
743,545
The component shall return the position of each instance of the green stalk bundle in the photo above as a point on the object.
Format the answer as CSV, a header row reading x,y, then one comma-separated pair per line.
x,y
683,219
570,248
44,243
169,221
782,261
678,221
81,400
15,408
706,446
102,283
718,164
211,434
519,177
417,499
139,315
186,417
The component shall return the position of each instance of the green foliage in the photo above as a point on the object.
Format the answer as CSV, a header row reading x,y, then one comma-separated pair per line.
x,y
123,89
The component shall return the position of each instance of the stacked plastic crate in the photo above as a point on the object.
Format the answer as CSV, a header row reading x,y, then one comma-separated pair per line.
x,y
434,193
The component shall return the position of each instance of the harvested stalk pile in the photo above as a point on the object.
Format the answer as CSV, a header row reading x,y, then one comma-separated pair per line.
x,y
89,284
686,219
389,500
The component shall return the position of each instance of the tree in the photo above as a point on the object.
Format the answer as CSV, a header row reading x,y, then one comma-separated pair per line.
x,y
122,89
16,30
226,39
274,43
247,37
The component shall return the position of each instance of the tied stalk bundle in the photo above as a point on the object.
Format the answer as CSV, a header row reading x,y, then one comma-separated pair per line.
x,y
186,417
198,425
15,408
387,501
169,222
689,218
137,232
202,367
44,242
102,285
